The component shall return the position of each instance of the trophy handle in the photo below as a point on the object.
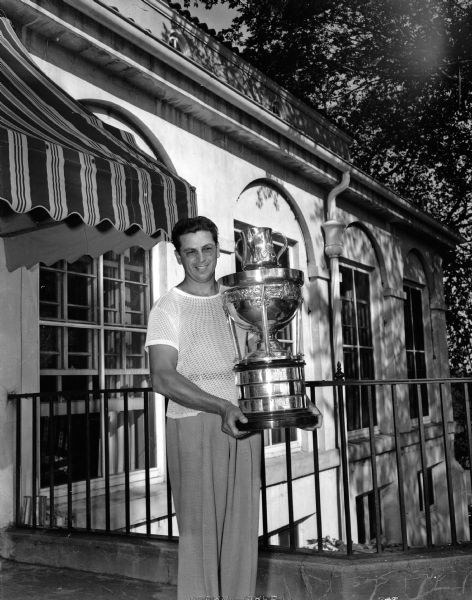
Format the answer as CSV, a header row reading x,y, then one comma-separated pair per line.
x,y
236,251
285,245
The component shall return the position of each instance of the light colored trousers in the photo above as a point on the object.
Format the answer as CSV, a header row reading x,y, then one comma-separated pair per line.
x,y
215,482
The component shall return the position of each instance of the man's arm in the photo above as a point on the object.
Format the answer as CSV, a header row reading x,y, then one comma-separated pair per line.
x,y
166,380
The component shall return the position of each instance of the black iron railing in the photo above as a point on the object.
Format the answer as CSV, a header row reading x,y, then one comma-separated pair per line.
x,y
95,462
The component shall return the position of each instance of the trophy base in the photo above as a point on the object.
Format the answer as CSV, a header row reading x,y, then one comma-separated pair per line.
x,y
278,420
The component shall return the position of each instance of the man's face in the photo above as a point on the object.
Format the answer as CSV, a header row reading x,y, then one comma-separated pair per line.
x,y
198,255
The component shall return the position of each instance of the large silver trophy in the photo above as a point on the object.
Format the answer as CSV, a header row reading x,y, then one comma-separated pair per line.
x,y
263,298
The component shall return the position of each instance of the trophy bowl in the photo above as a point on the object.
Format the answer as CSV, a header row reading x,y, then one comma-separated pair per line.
x,y
263,301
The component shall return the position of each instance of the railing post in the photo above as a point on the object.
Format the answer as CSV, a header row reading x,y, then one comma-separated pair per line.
x,y
339,379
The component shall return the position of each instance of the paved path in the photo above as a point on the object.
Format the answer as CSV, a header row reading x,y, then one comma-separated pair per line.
x,y
20,581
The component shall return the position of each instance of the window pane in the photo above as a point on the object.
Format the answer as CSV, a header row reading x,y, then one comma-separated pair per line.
x,y
79,348
367,363
353,408
351,368
347,289
362,286
365,391
50,294
113,349
135,357
408,320
79,295
49,345
363,323
411,365
111,301
420,365
134,304
75,383
349,322
417,310
111,265
83,265
134,259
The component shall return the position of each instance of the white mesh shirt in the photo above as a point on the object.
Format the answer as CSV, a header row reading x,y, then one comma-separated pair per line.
x,y
196,326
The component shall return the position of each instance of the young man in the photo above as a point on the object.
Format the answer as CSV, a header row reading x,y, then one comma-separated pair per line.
x,y
214,468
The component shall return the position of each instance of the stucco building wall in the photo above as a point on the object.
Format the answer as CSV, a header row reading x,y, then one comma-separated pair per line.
x,y
214,122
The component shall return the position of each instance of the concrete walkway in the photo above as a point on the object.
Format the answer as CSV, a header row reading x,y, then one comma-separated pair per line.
x,y
20,581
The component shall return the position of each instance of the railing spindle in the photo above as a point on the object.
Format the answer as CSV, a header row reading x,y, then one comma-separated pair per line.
x,y
316,475
126,460
373,466
424,468
447,455
288,465
106,461
400,478
88,505
344,467
69,461
147,463
18,465
265,530
34,471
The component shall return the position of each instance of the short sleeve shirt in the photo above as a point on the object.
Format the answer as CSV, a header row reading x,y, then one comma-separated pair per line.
x,y
197,328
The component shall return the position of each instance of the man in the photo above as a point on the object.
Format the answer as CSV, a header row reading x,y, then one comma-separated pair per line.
x,y
214,467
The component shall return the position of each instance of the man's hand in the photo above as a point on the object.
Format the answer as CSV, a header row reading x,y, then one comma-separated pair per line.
x,y
229,418
319,421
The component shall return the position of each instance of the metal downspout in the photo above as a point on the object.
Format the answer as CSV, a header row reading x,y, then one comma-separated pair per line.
x,y
333,231
333,234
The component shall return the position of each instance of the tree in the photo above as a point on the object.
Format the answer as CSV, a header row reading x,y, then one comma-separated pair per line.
x,y
398,76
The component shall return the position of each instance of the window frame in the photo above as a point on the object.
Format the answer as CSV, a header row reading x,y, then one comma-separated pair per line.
x,y
359,348
410,288
96,372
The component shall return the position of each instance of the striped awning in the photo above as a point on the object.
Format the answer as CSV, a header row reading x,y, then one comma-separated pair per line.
x,y
61,164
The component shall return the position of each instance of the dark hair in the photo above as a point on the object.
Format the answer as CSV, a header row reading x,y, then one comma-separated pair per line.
x,y
192,225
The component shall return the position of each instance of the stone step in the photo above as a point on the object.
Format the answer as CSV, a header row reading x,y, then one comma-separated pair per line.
x,y
436,574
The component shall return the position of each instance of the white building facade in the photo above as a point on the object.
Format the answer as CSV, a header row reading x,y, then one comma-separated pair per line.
x,y
256,156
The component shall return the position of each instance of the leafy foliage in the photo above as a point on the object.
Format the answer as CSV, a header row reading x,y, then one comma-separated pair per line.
x,y
397,75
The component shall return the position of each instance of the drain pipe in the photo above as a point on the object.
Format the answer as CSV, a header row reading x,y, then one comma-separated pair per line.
x,y
333,234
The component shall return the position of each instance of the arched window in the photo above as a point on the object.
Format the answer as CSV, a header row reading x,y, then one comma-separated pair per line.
x,y
414,287
360,306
